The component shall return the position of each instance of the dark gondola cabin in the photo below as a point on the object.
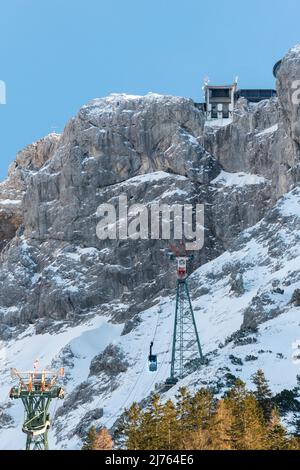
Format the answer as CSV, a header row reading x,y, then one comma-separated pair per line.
x,y
152,358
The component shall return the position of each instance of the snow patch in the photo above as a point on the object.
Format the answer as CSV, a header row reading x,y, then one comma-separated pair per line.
x,y
152,177
10,201
218,122
269,130
237,179
290,204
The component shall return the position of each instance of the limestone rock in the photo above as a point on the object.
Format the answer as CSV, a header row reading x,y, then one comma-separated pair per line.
x,y
296,298
12,190
111,361
288,86
237,284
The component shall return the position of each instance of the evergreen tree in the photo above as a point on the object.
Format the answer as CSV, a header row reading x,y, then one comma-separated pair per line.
x,y
90,439
202,408
235,401
120,433
263,393
149,432
296,417
277,435
150,425
169,428
197,440
221,427
254,437
293,443
132,430
199,422
103,440
296,423
184,413
297,388
127,433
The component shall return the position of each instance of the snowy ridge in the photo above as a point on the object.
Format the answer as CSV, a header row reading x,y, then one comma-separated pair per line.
x,y
294,52
126,102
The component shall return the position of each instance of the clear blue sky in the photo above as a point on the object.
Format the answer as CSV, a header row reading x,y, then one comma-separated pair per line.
x,y
55,55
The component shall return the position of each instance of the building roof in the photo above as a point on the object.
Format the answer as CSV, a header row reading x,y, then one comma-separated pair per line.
x,y
220,86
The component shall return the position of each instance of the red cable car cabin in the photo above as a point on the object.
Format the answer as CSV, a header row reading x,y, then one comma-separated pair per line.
x,y
181,267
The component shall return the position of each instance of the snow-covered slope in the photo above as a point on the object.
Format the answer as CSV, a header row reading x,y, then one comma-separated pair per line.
x,y
253,284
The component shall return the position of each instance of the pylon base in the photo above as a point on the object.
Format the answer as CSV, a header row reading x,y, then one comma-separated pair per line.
x,y
170,382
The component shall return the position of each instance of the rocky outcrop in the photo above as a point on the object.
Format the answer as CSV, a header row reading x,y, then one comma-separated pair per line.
x,y
237,284
12,190
34,156
237,144
289,97
296,298
110,141
111,362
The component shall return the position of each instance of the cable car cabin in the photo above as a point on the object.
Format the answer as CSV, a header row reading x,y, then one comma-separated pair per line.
x,y
181,268
152,358
152,363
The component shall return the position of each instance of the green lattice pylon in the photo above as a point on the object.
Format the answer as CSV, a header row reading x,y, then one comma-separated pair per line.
x,y
36,391
186,347
186,344
37,422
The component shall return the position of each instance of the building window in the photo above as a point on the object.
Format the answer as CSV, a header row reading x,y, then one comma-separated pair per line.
x,y
220,93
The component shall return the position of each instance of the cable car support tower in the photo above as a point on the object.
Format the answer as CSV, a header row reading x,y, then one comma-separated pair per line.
x,y
186,345
37,390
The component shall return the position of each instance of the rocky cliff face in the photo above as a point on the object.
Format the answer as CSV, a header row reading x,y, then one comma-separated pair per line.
x,y
288,84
257,142
13,189
151,148
57,276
